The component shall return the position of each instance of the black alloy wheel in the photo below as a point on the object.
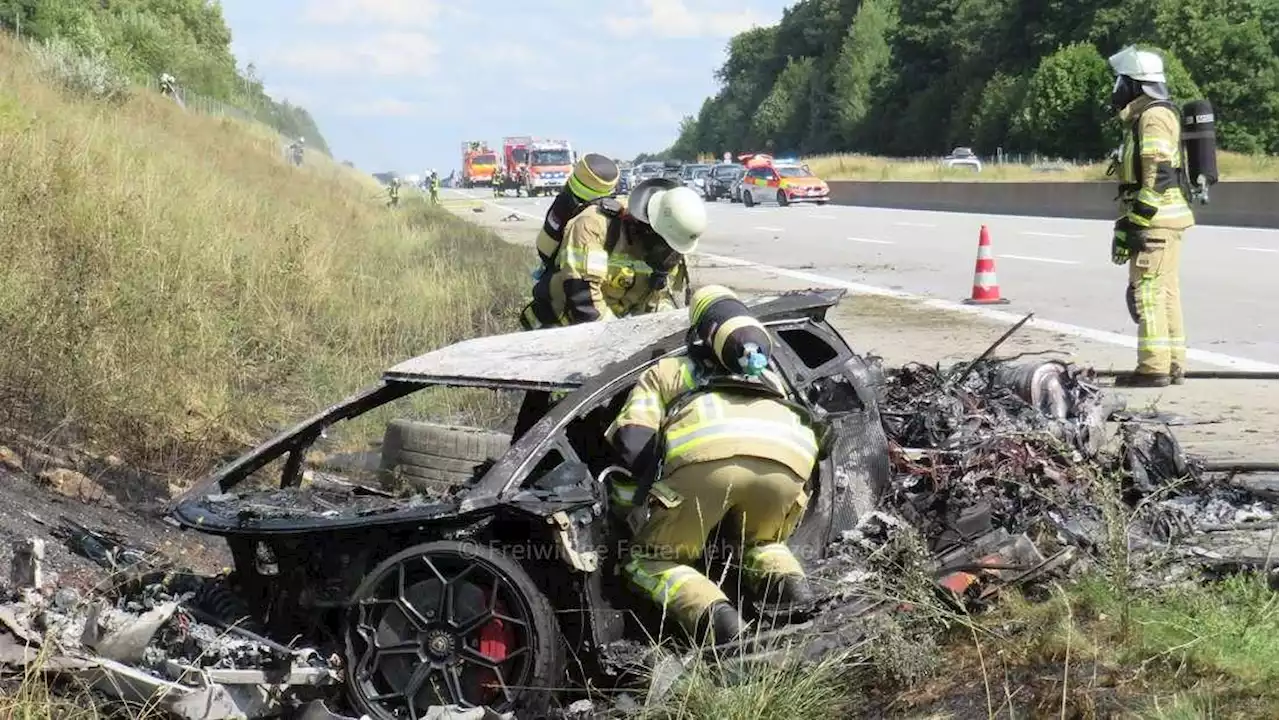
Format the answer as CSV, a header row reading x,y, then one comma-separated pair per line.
x,y
451,623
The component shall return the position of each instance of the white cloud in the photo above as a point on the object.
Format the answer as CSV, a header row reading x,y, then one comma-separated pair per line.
x,y
392,54
674,19
400,13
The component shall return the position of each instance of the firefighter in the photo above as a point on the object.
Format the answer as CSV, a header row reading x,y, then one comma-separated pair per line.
x,y
1149,236
729,443
618,257
435,187
594,177
496,182
393,192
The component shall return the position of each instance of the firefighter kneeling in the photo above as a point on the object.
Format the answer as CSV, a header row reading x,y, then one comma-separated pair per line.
x,y
730,444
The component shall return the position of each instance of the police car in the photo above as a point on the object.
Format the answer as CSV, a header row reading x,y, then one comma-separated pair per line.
x,y
784,182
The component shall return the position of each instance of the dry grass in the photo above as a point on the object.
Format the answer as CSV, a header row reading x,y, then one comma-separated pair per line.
x,y
173,289
1232,167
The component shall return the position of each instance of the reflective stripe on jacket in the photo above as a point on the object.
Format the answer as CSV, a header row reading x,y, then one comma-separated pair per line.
x,y
1160,135
717,424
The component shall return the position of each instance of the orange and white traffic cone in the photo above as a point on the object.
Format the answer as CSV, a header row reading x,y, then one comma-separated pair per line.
x,y
986,289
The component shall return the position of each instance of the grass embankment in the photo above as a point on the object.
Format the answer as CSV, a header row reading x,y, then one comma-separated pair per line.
x,y
1231,167
172,288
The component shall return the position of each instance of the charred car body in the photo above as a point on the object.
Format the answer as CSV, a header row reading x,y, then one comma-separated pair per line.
x,y
475,599
479,597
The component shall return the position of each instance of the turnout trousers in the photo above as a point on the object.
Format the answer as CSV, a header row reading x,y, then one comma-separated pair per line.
x,y
765,499
1157,303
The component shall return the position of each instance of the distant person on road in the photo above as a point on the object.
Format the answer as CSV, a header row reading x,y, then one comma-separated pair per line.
x,y
435,187
618,257
295,151
1149,236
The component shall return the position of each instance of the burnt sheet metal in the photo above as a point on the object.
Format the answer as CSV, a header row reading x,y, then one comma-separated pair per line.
x,y
563,358
298,438
300,511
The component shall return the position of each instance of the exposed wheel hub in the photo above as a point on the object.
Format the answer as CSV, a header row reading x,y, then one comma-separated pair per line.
x,y
439,645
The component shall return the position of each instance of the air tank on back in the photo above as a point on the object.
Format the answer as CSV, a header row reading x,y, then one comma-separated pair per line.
x,y
1201,147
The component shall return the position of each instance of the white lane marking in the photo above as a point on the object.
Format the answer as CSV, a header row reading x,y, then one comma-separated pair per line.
x,y
768,229
1253,249
869,240
1049,234
999,316
1032,258
915,224
1209,358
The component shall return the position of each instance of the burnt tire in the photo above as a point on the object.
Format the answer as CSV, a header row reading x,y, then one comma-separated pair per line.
x,y
430,457
423,619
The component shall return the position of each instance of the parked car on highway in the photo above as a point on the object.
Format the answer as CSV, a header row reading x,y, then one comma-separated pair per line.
x,y
694,176
673,170
962,157
783,183
722,182
645,171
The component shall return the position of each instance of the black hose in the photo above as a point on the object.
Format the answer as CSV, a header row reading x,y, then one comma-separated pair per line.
x,y
1206,374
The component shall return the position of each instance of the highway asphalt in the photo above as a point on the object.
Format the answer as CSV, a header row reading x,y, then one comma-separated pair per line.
x,y
1059,268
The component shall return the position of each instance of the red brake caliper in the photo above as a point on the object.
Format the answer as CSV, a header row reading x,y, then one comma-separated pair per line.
x,y
496,641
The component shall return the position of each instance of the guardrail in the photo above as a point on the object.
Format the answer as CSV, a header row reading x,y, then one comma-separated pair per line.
x,y
1238,204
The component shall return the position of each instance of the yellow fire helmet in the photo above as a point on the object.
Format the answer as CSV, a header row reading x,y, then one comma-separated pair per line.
x,y
594,176
736,339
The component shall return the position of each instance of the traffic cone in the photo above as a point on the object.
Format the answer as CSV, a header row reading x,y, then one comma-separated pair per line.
x,y
986,289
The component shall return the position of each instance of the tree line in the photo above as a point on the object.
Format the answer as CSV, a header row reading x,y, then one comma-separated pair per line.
x,y
189,39
917,77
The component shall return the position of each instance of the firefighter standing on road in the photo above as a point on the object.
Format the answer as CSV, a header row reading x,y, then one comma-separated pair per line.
x,y
1149,236
728,442
617,256
435,187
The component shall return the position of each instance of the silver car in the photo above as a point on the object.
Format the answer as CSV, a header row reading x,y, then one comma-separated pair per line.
x,y
962,157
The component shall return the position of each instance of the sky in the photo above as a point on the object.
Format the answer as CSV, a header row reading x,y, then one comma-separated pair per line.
x,y
401,84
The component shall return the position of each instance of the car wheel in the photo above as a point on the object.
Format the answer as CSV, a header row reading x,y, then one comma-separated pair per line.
x,y
451,623
433,458
747,199
823,202
782,199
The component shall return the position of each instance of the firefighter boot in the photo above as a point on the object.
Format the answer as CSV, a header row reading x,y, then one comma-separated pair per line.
x,y
721,623
788,592
1177,375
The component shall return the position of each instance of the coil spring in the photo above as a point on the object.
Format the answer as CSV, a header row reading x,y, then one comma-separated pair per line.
x,y
215,598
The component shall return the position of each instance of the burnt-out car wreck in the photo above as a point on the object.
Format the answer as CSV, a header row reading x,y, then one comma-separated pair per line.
x,y
481,596
499,589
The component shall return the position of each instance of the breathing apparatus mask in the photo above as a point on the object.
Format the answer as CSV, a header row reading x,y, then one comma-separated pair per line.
x,y
1126,90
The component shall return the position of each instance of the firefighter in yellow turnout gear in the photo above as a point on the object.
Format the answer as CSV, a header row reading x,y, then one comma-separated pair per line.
x,y
612,257
729,443
1149,236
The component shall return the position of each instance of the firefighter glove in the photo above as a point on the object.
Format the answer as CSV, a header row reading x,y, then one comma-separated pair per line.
x,y
1131,301
1119,243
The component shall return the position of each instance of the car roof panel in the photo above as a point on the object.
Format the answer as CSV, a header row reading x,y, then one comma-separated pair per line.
x,y
560,358
563,358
